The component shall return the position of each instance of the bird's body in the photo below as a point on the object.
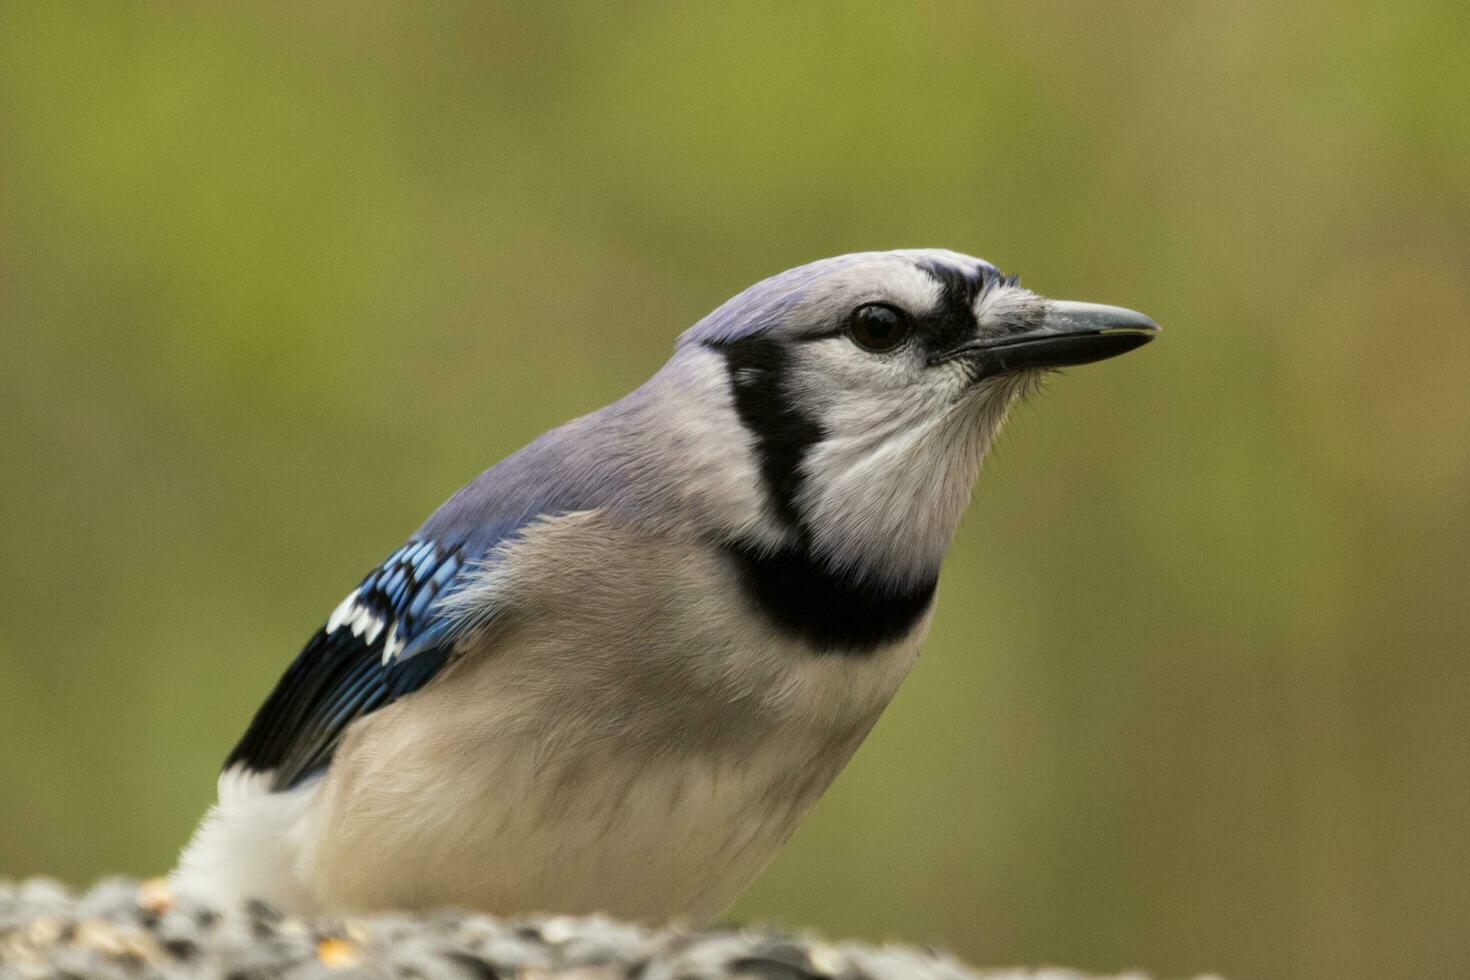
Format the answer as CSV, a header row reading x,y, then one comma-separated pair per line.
x,y
589,762
614,671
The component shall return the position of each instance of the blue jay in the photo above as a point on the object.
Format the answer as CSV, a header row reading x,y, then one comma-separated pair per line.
x,y
614,671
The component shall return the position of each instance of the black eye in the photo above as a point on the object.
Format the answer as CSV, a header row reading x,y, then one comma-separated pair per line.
x,y
879,327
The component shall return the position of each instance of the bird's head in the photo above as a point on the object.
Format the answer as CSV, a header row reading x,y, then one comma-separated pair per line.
x,y
871,386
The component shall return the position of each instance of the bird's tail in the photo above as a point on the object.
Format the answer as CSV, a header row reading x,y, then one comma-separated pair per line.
x,y
248,846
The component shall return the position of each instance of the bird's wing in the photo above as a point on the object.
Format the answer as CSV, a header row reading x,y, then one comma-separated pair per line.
x,y
385,640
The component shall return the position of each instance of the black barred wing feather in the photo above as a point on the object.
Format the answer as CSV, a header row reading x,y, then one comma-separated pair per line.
x,y
385,640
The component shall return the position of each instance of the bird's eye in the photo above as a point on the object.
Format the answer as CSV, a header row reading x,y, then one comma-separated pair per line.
x,y
878,327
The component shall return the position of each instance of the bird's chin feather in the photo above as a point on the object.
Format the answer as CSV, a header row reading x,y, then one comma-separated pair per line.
x,y
889,501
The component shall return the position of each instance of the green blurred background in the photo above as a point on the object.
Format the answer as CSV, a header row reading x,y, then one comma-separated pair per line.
x,y
276,278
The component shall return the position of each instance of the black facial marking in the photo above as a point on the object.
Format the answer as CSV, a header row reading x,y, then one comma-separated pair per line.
x,y
799,593
783,432
953,321
831,612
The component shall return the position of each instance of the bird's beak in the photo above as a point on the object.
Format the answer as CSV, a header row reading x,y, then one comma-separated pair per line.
x,y
1070,333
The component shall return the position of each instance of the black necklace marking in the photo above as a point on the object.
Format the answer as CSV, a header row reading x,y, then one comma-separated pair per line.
x,y
799,593
831,612
783,432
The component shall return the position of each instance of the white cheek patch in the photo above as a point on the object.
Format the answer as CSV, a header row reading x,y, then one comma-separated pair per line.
x,y
855,395
888,487
902,441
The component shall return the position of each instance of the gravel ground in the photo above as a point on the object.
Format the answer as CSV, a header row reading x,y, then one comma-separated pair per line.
x,y
124,928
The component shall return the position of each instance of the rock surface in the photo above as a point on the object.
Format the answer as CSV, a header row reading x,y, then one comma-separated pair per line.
x,y
125,928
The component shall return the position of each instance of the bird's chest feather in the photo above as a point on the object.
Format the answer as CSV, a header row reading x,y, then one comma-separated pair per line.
x,y
627,737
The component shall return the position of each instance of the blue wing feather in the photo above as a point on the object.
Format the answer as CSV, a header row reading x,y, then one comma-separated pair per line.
x,y
386,640
389,637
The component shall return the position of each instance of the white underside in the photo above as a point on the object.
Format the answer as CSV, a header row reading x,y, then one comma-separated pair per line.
x,y
642,840
247,845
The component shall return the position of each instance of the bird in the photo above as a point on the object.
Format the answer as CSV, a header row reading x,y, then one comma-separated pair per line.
x,y
613,672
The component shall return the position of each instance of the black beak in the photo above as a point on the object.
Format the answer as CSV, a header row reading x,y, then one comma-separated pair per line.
x,y
1070,333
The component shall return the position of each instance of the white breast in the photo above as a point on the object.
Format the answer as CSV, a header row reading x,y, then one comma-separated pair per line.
x,y
629,739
